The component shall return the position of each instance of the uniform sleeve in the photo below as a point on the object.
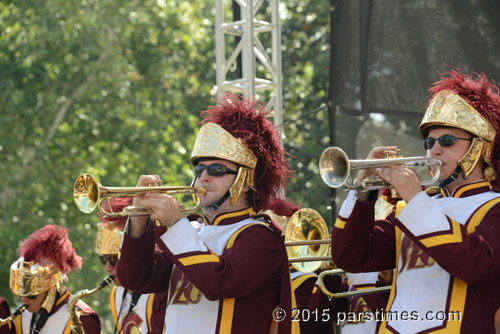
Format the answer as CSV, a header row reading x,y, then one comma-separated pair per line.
x,y
251,259
360,244
158,314
91,323
140,268
470,252
89,318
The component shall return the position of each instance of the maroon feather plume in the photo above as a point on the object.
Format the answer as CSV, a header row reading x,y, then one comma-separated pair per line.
x,y
247,120
51,243
480,93
117,205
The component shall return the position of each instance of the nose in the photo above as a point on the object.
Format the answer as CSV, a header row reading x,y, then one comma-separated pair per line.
x,y
437,149
110,269
204,175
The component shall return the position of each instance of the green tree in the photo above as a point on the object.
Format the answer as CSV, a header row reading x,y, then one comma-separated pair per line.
x,y
113,88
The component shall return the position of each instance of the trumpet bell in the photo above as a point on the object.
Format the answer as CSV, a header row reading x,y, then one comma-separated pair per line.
x,y
334,167
86,193
307,225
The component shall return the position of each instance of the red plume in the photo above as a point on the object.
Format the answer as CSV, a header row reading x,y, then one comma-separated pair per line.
x,y
117,205
247,120
51,243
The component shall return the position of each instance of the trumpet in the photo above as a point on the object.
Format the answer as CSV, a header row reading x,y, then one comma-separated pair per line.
x,y
335,169
89,194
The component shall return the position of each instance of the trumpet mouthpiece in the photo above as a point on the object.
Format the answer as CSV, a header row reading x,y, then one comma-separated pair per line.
x,y
203,191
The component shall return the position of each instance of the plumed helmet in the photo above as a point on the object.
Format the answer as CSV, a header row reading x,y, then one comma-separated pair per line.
x,y
46,257
471,103
110,229
237,129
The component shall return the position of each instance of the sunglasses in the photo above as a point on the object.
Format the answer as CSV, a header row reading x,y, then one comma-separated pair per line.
x,y
213,170
113,259
444,141
31,297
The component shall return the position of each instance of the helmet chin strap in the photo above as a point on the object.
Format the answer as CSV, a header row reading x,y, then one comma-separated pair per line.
x,y
452,177
217,205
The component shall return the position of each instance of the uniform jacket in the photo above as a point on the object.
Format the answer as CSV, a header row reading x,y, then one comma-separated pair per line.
x,y
226,276
446,251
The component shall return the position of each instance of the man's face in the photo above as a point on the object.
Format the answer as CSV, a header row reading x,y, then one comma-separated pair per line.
x,y
34,304
109,261
216,186
451,154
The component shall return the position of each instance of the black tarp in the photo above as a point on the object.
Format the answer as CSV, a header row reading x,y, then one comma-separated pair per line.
x,y
387,52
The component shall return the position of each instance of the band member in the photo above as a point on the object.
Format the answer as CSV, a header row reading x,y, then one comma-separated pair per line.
x,y
5,328
446,247
39,278
132,312
226,271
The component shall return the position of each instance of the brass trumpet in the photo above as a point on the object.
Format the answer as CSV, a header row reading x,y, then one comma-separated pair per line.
x,y
89,194
335,169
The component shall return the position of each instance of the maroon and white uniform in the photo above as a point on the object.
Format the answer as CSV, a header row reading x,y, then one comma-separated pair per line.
x,y
59,321
446,251
223,277
138,313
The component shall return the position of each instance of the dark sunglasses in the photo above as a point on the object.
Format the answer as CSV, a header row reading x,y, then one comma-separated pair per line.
x,y
113,259
444,141
32,297
213,170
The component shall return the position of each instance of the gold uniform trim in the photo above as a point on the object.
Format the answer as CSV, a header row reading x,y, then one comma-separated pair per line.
x,y
463,189
197,259
449,109
454,237
340,223
215,142
301,279
250,211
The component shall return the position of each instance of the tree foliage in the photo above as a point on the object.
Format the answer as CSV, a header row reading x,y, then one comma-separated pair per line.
x,y
113,88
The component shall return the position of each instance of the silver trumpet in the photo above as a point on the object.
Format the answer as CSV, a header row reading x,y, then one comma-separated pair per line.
x,y
335,169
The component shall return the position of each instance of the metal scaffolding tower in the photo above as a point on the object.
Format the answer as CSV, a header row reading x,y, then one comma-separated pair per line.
x,y
250,48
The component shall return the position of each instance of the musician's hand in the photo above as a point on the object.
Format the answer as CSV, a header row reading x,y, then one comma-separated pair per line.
x,y
146,181
404,180
379,152
167,209
139,223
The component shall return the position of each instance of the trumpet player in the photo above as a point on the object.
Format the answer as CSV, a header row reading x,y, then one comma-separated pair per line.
x,y
227,270
445,248
39,279
133,312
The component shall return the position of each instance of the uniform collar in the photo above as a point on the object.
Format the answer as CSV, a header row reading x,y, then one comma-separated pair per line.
x,y
228,218
60,301
469,189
